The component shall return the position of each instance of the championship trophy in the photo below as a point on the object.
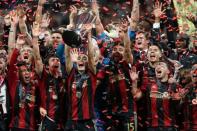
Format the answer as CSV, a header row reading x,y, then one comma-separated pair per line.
x,y
75,38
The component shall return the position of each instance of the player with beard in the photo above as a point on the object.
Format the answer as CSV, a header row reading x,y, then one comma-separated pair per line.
x,y
161,97
81,87
147,69
146,75
51,85
56,38
189,97
122,84
4,97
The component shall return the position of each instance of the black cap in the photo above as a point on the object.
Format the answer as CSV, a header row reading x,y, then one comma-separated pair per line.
x,y
71,38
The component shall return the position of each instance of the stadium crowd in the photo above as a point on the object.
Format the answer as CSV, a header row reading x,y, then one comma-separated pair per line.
x,y
127,70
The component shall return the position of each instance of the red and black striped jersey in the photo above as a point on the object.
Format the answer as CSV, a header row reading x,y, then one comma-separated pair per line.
x,y
120,89
80,95
23,98
51,94
190,108
160,105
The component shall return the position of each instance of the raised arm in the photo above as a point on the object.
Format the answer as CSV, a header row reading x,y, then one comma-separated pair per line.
x,y
12,33
135,14
36,50
45,22
69,63
39,11
98,23
73,13
127,43
134,77
23,26
91,52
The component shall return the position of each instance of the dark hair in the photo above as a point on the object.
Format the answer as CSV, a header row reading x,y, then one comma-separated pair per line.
x,y
153,44
166,63
118,41
46,61
21,63
146,34
56,31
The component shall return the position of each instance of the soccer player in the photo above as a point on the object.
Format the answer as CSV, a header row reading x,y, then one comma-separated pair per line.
x,y
81,87
50,84
161,99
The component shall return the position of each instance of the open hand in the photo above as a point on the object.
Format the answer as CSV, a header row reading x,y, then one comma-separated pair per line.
x,y
74,54
134,74
14,17
158,10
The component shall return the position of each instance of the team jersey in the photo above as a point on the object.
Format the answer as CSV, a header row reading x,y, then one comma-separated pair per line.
x,y
80,91
23,98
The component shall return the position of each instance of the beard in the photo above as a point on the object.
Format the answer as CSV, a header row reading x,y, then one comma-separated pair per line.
x,y
117,57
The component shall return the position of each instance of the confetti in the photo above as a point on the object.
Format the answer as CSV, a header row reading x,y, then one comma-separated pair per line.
x,y
105,9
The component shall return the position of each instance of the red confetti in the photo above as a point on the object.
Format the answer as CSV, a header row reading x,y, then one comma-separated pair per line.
x,y
104,111
123,7
140,124
108,128
109,117
128,3
114,15
174,18
147,122
88,126
105,8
